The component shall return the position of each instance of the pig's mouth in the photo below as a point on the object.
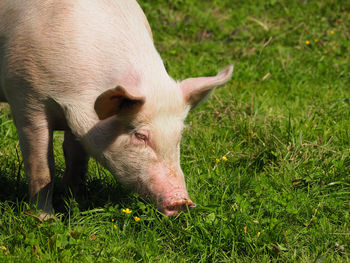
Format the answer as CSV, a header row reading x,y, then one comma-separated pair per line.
x,y
174,205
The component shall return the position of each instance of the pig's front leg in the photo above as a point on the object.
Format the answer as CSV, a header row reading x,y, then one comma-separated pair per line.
x,y
76,164
35,138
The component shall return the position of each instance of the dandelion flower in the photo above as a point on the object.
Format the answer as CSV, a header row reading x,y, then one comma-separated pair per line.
x,y
245,229
258,234
307,42
115,226
137,219
112,219
217,160
234,206
316,40
224,158
126,211
331,32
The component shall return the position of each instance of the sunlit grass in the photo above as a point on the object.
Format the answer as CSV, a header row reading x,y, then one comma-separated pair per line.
x,y
266,158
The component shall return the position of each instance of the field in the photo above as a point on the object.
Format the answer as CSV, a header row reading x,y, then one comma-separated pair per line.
x,y
266,158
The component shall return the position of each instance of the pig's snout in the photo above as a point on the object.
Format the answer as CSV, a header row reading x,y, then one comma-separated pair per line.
x,y
177,203
168,189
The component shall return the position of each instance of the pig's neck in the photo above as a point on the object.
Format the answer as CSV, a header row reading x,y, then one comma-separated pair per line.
x,y
80,117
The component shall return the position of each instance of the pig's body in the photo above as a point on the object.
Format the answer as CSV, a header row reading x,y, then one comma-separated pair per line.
x,y
75,50
90,68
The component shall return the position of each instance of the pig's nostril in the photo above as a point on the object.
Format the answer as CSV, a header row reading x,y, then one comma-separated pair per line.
x,y
181,204
190,203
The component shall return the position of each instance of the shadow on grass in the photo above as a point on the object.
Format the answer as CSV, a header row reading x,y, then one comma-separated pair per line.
x,y
99,193
13,188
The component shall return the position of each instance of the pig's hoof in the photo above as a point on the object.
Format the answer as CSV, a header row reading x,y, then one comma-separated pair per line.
x,y
178,205
41,216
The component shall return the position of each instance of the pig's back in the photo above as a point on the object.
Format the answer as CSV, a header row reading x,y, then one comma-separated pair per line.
x,y
75,47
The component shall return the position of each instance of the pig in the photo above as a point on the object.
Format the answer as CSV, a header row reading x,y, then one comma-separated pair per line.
x,y
90,68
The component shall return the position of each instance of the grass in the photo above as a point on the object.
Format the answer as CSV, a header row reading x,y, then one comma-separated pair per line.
x,y
282,195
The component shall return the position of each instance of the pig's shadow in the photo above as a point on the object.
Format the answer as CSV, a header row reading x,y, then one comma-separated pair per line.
x,y
99,192
13,187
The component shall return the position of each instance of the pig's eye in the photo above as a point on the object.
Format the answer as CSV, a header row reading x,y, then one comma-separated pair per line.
x,y
141,136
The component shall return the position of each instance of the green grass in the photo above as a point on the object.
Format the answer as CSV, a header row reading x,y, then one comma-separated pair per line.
x,y
283,123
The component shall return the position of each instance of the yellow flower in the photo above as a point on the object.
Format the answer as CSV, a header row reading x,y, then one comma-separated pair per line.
x,y
126,211
316,40
112,219
234,206
245,229
307,42
331,32
115,226
259,234
3,248
217,160
224,158
137,219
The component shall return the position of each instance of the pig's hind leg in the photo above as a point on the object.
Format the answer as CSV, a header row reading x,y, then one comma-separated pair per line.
x,y
76,164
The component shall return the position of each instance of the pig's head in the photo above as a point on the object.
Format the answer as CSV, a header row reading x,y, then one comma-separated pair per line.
x,y
138,137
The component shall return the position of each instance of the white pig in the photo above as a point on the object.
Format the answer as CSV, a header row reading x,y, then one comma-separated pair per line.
x,y
90,68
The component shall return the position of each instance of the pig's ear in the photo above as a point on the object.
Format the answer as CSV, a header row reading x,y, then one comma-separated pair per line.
x,y
196,89
118,101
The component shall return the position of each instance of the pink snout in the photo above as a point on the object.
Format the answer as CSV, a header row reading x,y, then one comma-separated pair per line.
x,y
167,187
175,203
